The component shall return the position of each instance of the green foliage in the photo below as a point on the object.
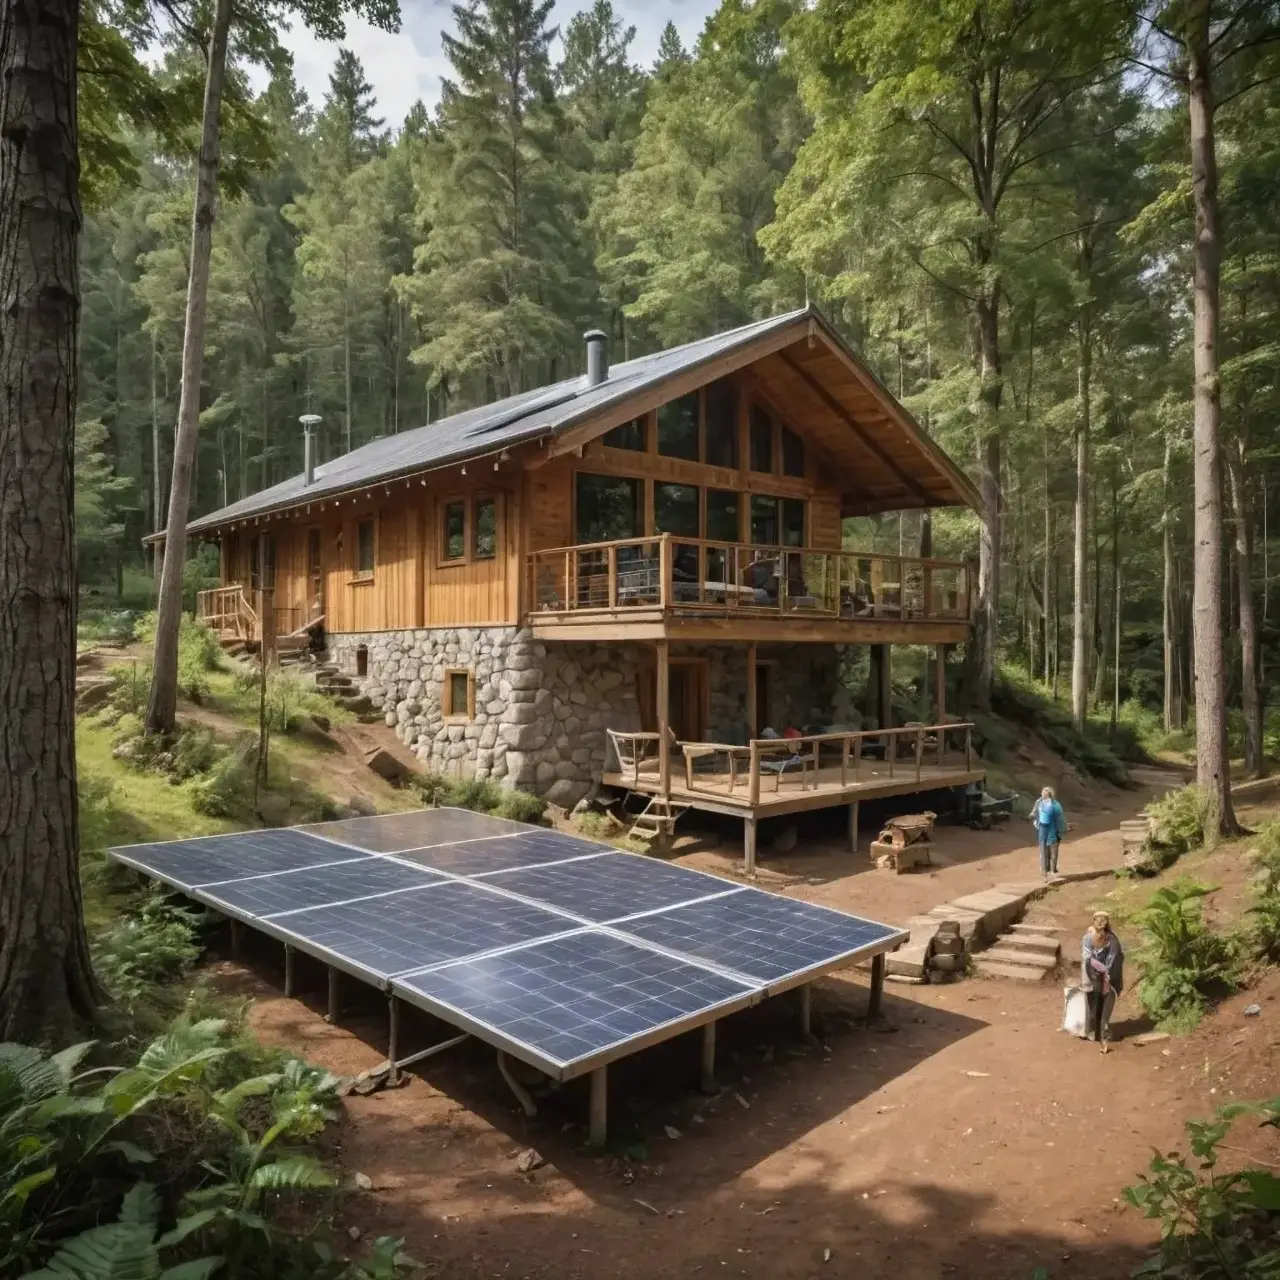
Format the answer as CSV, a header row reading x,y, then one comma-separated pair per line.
x,y
199,653
227,790
1178,820
157,941
1213,1225
520,806
482,795
1184,961
1264,913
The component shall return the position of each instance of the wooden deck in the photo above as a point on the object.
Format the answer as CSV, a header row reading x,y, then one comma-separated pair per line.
x,y
711,791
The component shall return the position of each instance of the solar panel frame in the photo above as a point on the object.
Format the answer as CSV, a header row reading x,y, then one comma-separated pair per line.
x,y
568,1069
376,833
479,860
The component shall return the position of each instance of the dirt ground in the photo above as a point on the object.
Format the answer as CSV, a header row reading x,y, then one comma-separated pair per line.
x,y
964,1135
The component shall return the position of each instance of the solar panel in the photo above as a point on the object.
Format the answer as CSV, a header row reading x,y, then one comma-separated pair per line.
x,y
419,928
416,829
571,1003
611,886
187,864
504,853
767,937
268,896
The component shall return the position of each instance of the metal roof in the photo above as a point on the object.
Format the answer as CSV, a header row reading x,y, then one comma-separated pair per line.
x,y
490,428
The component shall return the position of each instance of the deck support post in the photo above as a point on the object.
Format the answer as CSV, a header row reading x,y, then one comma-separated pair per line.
x,y
877,987
598,1123
805,993
940,684
752,727
749,844
707,1081
335,995
393,1040
237,939
664,715
853,826
289,975
884,691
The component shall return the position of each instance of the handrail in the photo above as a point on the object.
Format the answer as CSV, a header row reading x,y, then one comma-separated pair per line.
x,y
670,572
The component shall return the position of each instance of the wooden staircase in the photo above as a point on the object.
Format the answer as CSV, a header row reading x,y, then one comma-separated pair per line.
x,y
656,823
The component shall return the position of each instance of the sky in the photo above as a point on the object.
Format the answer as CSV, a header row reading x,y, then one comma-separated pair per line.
x,y
407,66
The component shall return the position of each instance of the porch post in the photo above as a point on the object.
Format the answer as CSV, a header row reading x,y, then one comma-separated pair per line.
x,y
853,826
884,699
664,712
940,685
752,727
749,843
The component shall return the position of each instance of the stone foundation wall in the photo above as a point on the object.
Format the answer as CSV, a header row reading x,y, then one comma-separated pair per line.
x,y
541,710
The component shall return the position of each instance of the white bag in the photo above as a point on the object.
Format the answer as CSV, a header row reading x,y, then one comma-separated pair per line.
x,y
1075,1011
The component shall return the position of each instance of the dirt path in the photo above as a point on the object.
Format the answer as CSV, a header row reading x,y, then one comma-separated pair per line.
x,y
965,1136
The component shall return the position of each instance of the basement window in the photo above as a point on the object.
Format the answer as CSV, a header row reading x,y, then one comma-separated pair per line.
x,y
459,695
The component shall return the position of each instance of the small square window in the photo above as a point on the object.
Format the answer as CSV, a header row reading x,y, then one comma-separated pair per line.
x,y
364,549
459,695
453,530
792,453
631,435
761,440
486,529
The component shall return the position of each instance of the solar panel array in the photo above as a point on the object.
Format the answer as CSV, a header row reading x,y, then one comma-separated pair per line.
x,y
563,952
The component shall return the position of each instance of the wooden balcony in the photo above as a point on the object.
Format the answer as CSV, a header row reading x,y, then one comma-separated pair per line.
x,y
669,587
237,613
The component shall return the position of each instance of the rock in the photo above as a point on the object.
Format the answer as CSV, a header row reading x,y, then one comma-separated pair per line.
x,y
361,805
92,696
672,1132
387,766
529,1160
1252,1011
354,1233
1150,1037
323,723
362,1182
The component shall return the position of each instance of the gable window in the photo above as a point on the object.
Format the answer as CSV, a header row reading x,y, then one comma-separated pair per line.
x,y
453,530
678,428
365,555
631,435
761,440
459,695
792,453
722,515
722,424
485,538
607,507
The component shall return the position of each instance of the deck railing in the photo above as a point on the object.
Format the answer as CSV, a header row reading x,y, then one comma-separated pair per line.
x,y
698,575
227,611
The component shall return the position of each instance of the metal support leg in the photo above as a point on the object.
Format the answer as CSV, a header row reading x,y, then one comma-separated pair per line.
x,y
806,1010
522,1094
853,827
288,970
335,995
877,987
708,1081
393,1040
237,939
749,844
598,1129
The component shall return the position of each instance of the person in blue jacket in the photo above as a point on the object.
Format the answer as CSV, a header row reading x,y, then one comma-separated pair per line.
x,y
1051,826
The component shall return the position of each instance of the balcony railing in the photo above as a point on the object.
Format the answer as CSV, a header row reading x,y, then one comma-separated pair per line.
x,y
698,575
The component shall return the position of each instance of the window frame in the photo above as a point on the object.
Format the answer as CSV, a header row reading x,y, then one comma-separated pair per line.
x,y
642,489
449,713
443,558
473,532
468,503
359,575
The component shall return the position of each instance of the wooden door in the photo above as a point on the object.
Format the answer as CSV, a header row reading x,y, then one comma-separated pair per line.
x,y
764,672
688,715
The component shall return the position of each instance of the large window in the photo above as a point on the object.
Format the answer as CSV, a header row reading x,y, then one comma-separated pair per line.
x,y
722,515
678,428
453,530
364,549
608,507
675,509
777,521
761,440
792,453
722,424
631,435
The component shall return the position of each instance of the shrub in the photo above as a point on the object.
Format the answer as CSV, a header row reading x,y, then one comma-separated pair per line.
x,y
473,793
1183,961
1264,914
195,751
1213,1226
227,790
157,942
199,653
435,787
1178,820
520,806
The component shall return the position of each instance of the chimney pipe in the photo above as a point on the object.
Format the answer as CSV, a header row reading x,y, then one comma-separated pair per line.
x,y
597,356
309,423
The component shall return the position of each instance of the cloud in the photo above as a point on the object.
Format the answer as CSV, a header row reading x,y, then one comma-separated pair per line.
x,y
410,64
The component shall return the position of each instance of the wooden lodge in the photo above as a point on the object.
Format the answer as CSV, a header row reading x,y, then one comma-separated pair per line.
x,y
636,577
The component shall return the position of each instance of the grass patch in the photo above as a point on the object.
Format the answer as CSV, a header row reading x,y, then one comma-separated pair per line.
x,y
482,795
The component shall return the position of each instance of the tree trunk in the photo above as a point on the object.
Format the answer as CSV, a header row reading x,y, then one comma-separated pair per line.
x,y
46,979
157,492
984,635
1250,696
1115,602
163,705
1080,611
1169,625
1213,763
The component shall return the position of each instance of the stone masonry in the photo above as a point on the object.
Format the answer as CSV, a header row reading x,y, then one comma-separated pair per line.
x,y
541,710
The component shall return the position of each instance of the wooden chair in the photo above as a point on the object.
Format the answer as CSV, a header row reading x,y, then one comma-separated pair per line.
x,y
638,752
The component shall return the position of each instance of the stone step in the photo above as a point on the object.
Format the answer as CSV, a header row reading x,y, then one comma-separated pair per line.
x,y
1034,930
1031,944
988,968
1040,963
